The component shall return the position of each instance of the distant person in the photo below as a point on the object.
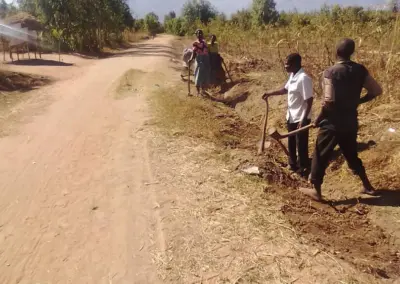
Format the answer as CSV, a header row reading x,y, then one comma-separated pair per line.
x,y
338,120
201,55
299,89
217,76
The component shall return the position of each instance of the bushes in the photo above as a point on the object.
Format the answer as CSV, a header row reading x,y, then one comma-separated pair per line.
x,y
176,26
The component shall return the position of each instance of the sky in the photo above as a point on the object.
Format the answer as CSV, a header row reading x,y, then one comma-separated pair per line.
x,y
162,7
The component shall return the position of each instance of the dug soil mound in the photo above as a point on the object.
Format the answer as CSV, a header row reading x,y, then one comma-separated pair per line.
x,y
347,233
12,81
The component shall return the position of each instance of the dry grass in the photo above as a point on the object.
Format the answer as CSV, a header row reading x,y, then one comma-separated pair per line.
x,y
131,36
198,118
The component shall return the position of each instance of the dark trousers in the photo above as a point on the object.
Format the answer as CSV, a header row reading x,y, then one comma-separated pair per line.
x,y
298,144
326,142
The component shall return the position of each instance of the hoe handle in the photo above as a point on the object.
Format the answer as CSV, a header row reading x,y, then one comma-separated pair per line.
x,y
262,144
297,131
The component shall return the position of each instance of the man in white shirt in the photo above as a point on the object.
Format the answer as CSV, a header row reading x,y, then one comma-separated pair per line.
x,y
299,89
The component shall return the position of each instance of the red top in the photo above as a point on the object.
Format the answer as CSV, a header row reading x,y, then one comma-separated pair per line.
x,y
200,47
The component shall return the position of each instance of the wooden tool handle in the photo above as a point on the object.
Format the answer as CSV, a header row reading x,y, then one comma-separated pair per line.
x,y
297,131
189,78
262,144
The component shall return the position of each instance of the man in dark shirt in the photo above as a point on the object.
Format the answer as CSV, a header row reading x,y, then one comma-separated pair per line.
x,y
338,120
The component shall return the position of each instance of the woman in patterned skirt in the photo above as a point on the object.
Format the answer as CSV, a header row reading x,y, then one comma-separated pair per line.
x,y
200,53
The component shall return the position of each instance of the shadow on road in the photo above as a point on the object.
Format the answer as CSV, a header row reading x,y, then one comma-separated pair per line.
x,y
148,50
39,62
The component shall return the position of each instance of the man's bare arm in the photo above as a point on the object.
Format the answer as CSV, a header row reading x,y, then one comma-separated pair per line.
x,y
373,88
279,92
329,100
326,107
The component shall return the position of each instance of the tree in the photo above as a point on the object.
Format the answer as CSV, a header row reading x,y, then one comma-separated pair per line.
x,y
128,19
243,19
4,9
139,25
264,12
151,22
198,9
85,24
172,15
168,17
175,26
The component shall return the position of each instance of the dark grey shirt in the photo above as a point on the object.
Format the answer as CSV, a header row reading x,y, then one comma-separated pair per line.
x,y
342,85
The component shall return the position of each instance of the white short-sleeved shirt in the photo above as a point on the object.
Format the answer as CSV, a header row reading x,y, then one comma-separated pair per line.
x,y
299,89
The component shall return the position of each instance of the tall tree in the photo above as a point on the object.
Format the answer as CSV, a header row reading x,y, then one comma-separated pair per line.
x,y
4,9
198,9
151,22
172,15
168,17
87,24
264,12
243,19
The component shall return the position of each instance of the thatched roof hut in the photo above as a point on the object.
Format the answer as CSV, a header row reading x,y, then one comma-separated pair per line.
x,y
26,20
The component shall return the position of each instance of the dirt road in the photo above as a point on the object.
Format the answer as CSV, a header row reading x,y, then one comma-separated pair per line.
x,y
76,204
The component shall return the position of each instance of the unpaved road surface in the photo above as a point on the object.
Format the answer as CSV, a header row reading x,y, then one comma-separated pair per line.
x,y
75,198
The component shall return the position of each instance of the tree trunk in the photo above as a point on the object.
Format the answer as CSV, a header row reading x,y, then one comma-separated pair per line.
x,y
38,45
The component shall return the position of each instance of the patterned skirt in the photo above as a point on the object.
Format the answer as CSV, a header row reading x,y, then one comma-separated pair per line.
x,y
202,71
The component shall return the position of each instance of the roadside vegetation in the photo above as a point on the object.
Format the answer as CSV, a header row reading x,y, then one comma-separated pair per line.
x,y
261,32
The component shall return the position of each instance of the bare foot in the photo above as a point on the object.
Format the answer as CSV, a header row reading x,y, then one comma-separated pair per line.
x,y
369,191
311,192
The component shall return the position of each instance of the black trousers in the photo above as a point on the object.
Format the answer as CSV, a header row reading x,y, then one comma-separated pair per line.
x,y
326,142
298,144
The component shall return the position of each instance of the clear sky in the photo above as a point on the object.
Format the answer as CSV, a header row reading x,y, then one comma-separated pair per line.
x,y
162,7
